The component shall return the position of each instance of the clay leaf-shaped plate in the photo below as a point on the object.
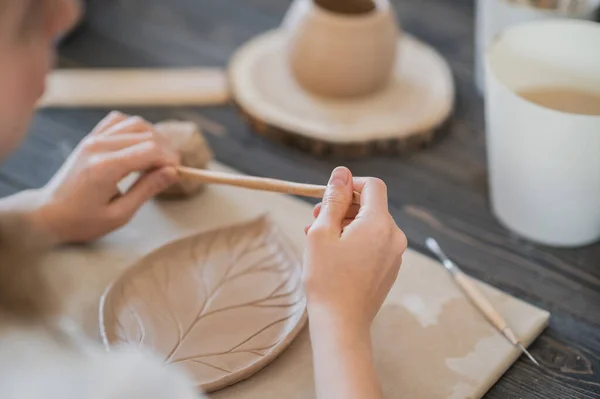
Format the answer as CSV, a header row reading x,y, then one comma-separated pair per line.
x,y
223,304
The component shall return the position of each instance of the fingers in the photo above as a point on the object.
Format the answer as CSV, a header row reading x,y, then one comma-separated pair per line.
x,y
151,184
140,157
336,201
137,125
101,143
359,183
133,124
373,194
109,120
345,223
121,145
351,214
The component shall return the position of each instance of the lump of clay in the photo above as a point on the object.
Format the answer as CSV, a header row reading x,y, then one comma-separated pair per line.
x,y
187,139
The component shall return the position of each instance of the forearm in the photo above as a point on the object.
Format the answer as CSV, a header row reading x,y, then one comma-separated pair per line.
x,y
27,204
23,201
343,360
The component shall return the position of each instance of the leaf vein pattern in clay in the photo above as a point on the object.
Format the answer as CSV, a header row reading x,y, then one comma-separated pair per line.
x,y
287,305
256,303
250,268
121,331
211,365
232,350
198,318
230,301
232,278
259,245
260,331
166,301
140,329
204,285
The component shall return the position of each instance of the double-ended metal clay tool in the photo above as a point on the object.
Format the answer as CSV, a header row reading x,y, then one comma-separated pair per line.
x,y
477,297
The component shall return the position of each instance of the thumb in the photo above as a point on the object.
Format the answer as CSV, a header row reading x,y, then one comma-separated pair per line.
x,y
337,200
143,190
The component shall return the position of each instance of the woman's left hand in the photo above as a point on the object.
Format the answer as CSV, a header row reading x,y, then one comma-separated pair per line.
x,y
82,202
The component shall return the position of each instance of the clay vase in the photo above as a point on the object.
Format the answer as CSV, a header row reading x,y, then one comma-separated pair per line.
x,y
341,51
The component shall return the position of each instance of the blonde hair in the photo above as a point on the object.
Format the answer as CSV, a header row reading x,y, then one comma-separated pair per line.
x,y
25,293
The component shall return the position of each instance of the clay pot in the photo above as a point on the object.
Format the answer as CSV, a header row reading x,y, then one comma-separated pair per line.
x,y
336,54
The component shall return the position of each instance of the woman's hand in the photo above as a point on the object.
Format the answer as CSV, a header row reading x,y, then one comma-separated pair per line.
x,y
82,201
354,253
351,262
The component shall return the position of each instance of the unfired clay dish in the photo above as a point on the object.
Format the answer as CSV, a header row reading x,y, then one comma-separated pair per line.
x,y
223,304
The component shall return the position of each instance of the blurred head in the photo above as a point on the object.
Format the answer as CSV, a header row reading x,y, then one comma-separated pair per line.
x,y
28,32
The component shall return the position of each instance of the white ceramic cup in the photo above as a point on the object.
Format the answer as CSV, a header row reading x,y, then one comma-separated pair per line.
x,y
494,16
544,165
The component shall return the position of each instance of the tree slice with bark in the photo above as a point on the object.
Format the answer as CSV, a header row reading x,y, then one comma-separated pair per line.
x,y
405,116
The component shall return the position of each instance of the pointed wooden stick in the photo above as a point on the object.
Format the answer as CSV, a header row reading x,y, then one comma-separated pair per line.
x,y
259,183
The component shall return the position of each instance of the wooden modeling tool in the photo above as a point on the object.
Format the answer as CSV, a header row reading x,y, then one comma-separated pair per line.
x,y
135,87
477,297
259,183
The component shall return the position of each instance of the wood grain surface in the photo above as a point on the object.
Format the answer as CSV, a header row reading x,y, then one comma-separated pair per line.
x,y
440,191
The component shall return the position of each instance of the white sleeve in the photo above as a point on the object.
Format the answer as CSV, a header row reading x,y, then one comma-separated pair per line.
x,y
35,366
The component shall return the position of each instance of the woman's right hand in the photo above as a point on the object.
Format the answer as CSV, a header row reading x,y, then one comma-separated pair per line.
x,y
351,262
353,254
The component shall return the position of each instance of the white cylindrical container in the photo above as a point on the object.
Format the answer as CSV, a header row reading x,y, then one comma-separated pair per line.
x,y
544,164
493,16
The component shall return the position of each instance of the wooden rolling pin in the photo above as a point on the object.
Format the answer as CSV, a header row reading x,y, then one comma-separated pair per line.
x,y
259,183
135,87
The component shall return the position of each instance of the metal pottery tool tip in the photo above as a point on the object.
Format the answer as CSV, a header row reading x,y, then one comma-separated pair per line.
x,y
476,296
434,247
526,352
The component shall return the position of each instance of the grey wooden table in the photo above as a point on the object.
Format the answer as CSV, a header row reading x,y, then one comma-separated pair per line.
x,y
441,191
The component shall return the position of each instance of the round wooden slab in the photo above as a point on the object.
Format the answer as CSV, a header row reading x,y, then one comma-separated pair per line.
x,y
222,304
404,116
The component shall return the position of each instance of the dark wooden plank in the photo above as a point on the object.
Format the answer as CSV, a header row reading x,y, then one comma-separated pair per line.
x,y
6,188
441,191
43,151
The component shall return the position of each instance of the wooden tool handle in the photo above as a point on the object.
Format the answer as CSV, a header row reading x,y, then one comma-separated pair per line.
x,y
481,301
135,87
260,183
